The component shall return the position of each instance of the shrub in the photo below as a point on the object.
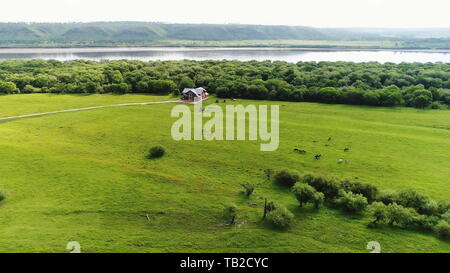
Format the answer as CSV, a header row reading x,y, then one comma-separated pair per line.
x,y
443,229
156,152
367,190
401,216
379,212
330,95
387,197
162,86
318,199
186,82
438,105
430,208
280,217
307,194
351,202
8,88
2,195
329,187
443,207
268,207
303,192
249,188
412,199
268,173
117,88
426,223
446,216
286,178
230,213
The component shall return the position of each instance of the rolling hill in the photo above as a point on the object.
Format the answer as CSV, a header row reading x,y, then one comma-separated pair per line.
x,y
147,33
84,176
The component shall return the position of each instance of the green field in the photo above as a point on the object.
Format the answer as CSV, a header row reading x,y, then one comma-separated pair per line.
x,y
84,176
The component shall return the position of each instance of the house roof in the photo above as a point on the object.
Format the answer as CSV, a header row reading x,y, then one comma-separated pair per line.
x,y
196,91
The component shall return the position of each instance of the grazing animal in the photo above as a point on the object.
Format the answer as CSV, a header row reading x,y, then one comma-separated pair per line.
x,y
340,161
317,156
299,151
314,141
347,161
329,139
346,149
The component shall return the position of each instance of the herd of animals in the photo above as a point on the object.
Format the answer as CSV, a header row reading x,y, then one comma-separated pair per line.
x,y
319,156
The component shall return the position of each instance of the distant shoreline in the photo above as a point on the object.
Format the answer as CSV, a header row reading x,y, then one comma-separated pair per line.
x,y
28,50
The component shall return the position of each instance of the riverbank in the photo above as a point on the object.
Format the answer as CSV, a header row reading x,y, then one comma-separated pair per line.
x,y
31,50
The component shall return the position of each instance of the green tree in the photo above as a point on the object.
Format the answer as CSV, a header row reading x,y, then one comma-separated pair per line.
x,y
351,203
280,217
186,82
304,193
379,212
287,178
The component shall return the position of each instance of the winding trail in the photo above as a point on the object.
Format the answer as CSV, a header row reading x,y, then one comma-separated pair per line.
x,y
87,108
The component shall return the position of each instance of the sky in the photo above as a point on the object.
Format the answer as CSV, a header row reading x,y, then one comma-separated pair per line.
x,y
317,13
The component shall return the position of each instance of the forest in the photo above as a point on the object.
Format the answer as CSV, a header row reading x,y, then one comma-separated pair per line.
x,y
407,84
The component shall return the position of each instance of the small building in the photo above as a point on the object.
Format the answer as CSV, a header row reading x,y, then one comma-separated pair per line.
x,y
191,94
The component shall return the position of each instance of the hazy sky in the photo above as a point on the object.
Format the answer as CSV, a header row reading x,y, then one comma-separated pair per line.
x,y
323,13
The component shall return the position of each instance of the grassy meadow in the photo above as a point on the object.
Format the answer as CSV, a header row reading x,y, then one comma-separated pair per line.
x,y
84,176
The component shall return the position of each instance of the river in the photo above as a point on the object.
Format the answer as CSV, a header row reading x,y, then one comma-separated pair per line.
x,y
242,54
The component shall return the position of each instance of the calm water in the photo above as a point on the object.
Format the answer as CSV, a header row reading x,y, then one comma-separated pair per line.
x,y
273,54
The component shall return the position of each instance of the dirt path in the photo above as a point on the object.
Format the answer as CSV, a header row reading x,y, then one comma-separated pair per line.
x,y
87,108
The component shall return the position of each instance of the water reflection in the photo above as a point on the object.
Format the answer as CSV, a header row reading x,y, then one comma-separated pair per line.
x,y
247,54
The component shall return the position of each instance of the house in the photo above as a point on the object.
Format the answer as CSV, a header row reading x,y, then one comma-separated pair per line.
x,y
191,94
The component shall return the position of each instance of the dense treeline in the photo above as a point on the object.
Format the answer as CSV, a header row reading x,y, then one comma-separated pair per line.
x,y
415,85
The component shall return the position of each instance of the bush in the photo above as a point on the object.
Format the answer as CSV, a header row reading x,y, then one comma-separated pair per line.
x,y
412,199
351,203
280,217
367,190
446,216
230,213
2,195
303,192
430,208
268,173
426,223
329,187
443,229
379,212
443,207
395,214
162,86
287,178
268,207
156,152
8,88
117,88
401,216
249,188
438,105
387,197
318,199
307,194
